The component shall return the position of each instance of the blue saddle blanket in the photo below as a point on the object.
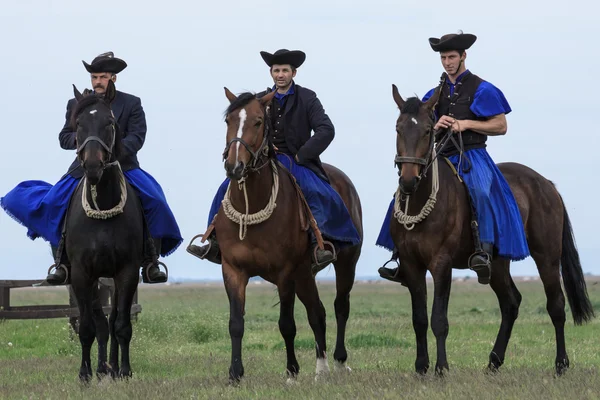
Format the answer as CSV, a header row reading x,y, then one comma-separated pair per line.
x,y
498,214
41,208
325,203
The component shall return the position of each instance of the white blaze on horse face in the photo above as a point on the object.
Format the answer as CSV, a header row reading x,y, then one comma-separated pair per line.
x,y
93,111
242,116
414,120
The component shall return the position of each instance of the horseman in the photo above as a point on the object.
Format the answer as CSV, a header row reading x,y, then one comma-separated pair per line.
x,y
41,207
473,109
295,112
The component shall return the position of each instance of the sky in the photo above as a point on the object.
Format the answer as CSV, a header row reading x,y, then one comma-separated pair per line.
x,y
181,54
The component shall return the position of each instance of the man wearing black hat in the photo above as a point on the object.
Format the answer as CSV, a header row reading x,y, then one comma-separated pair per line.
x,y
474,109
43,209
295,113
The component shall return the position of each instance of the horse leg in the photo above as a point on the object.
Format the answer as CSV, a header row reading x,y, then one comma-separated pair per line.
x,y
345,269
101,332
114,344
306,288
509,300
287,325
87,330
442,279
418,293
235,286
555,305
126,283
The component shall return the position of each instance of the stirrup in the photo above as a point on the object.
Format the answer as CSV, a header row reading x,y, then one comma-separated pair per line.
x,y
483,271
189,247
146,277
56,267
396,277
325,242
316,267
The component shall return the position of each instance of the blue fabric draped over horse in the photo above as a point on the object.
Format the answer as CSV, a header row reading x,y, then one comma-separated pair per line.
x,y
498,215
328,208
41,208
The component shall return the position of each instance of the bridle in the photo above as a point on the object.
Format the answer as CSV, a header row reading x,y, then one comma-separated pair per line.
x,y
109,149
260,153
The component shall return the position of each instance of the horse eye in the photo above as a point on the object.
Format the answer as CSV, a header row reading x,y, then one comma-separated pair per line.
x,y
257,124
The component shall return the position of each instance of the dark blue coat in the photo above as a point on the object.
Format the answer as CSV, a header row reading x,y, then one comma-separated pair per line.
x,y
131,118
304,113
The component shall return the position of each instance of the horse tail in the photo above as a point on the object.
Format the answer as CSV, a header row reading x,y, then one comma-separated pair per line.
x,y
572,274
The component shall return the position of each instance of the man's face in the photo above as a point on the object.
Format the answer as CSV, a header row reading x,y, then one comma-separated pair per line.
x,y
451,60
100,81
282,75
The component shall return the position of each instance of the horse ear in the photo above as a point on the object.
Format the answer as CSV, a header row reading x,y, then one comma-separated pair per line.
x,y
111,92
230,96
266,99
397,98
78,95
432,101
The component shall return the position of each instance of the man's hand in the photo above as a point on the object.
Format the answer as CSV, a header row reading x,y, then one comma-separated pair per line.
x,y
448,122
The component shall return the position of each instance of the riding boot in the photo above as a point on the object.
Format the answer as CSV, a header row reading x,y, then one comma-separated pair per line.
x,y
62,269
481,263
321,257
392,274
151,272
210,251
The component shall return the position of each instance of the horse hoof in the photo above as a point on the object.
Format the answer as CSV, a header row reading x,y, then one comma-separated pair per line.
x,y
562,367
322,366
234,382
292,380
341,367
125,374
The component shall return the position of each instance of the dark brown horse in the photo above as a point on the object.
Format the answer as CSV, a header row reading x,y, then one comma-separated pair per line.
x,y
274,244
443,241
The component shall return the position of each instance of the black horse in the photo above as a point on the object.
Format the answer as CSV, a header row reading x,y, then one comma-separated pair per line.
x,y
104,235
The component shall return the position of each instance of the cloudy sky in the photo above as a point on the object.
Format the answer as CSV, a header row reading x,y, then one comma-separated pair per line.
x,y
182,53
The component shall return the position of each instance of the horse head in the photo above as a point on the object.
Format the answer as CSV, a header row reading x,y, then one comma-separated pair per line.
x,y
415,138
247,124
97,134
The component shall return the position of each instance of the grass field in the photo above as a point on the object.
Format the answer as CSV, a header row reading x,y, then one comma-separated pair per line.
x,y
181,348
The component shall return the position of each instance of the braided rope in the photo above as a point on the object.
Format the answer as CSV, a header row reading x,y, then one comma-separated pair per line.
x,y
245,219
409,221
103,214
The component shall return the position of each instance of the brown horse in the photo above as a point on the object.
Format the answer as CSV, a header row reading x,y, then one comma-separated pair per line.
x,y
273,240
443,240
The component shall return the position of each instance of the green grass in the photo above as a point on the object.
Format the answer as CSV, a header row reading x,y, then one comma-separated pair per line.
x,y
181,348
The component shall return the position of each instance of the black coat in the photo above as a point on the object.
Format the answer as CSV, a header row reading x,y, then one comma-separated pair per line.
x,y
131,118
304,113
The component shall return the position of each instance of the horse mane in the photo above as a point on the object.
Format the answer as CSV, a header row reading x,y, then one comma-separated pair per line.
x,y
241,101
411,106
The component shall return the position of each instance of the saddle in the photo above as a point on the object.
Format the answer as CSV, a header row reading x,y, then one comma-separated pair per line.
x,y
149,247
307,220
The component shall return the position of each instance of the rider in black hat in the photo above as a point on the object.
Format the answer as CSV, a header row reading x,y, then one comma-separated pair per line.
x,y
43,210
296,112
474,109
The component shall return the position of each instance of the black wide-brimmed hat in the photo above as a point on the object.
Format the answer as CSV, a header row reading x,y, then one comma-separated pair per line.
x,y
105,62
284,56
452,41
